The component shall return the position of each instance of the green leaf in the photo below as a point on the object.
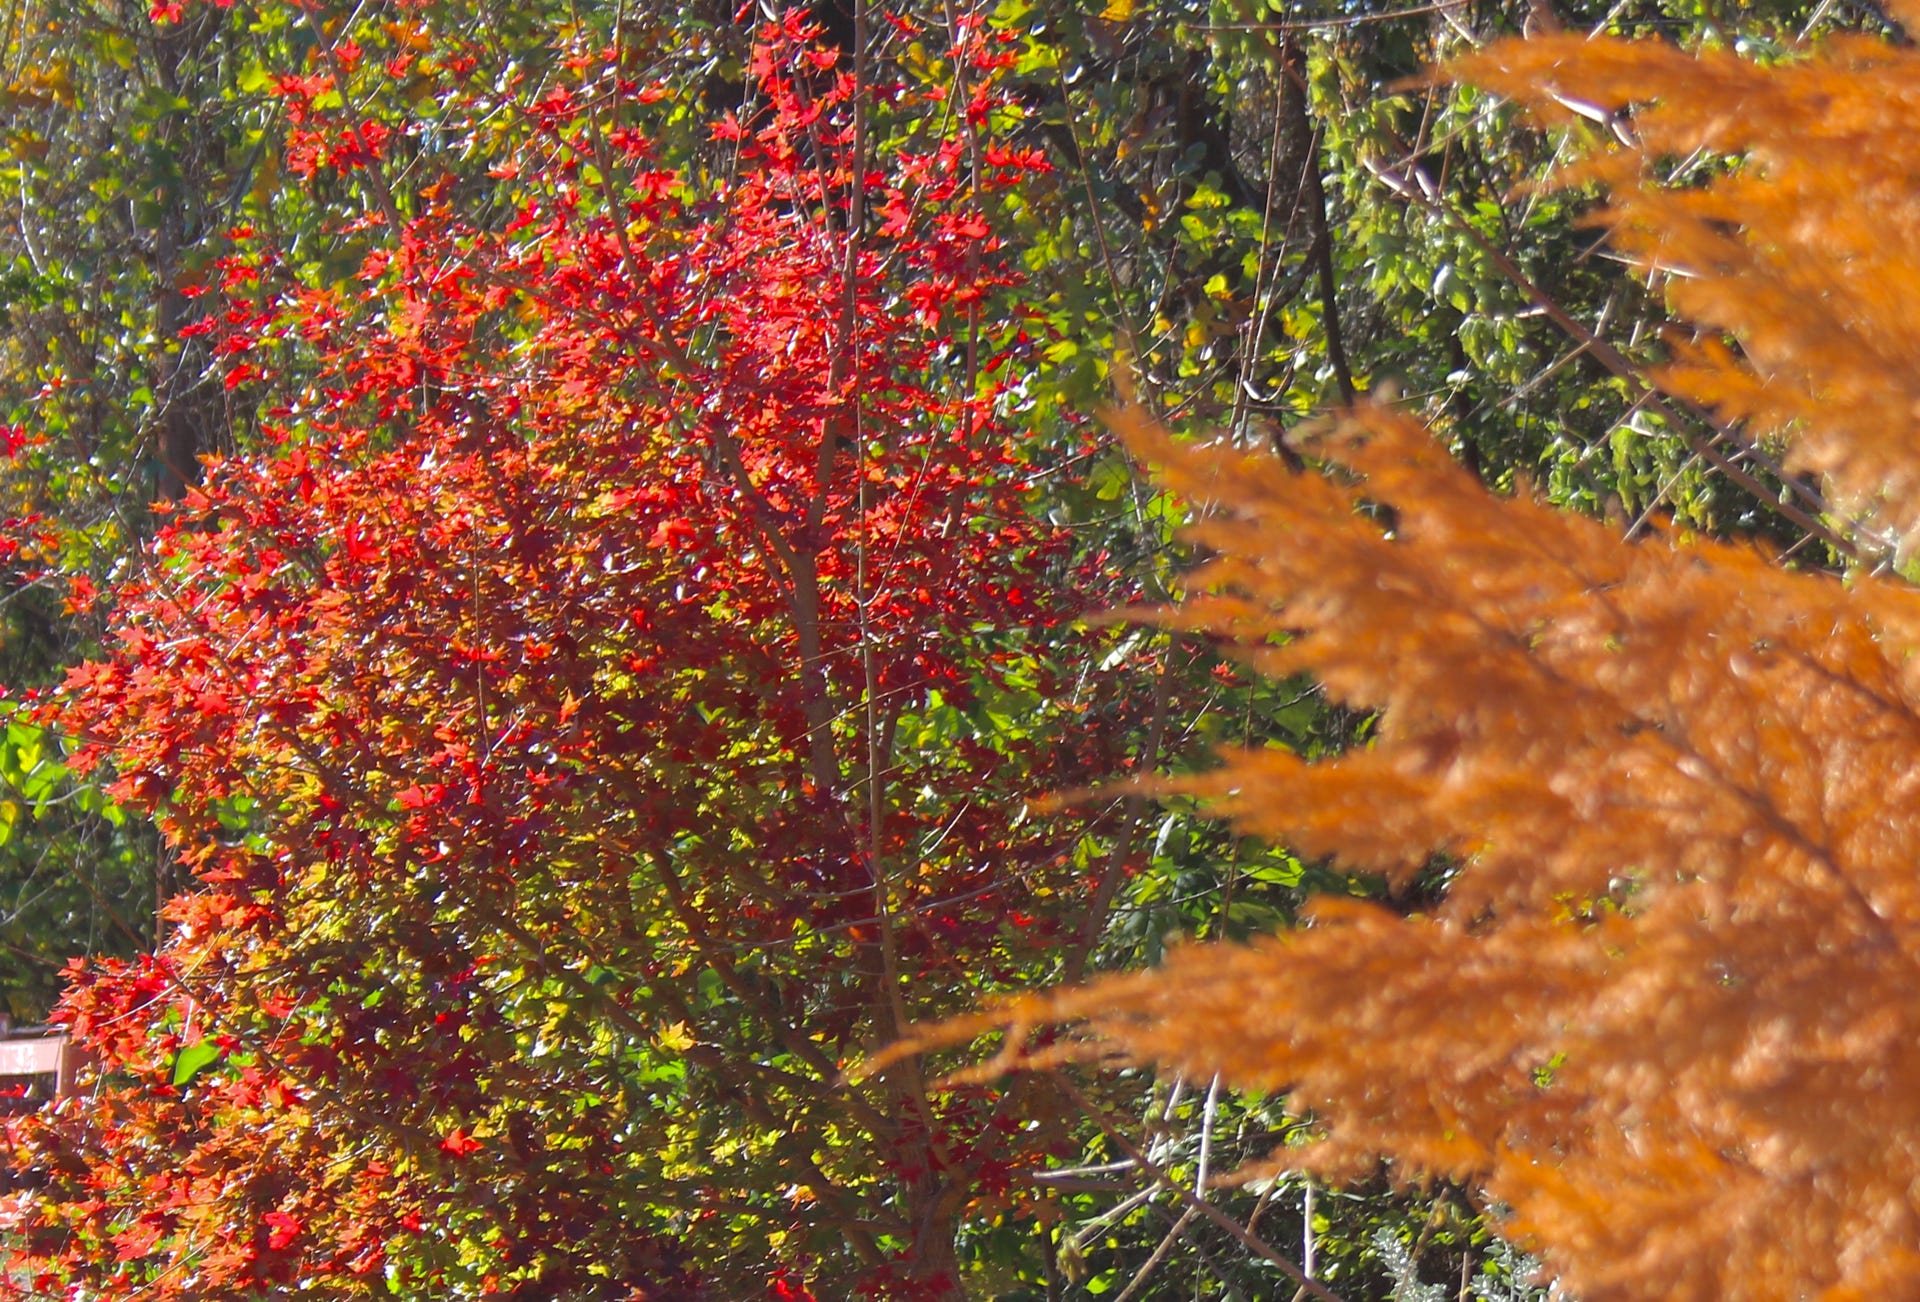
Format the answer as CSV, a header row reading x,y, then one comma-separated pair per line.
x,y
194,1059
119,48
1449,288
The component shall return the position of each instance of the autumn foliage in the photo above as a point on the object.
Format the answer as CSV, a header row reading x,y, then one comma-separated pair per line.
x,y
539,720
1646,808
581,713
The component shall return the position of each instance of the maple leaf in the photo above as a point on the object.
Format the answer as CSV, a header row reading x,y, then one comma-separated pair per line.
x,y
419,796
460,1144
138,1239
283,1229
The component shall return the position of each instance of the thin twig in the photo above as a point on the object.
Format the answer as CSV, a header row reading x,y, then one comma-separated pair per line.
x,y
1159,1254
1294,88
1247,1239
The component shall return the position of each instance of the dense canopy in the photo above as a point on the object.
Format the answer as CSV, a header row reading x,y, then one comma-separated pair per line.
x,y
561,660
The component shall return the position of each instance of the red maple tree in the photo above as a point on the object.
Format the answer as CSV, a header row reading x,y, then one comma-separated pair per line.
x,y
575,729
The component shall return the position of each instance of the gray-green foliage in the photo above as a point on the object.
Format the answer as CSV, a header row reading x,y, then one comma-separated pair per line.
x,y
1502,1276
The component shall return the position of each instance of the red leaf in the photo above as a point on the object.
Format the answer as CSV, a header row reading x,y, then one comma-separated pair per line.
x,y
282,1229
460,1144
422,797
